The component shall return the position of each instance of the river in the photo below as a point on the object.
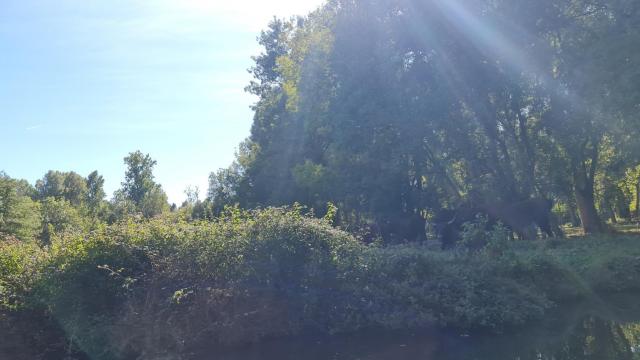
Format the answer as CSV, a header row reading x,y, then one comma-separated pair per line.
x,y
603,329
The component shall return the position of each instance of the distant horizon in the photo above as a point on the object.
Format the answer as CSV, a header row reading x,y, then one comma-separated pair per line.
x,y
84,84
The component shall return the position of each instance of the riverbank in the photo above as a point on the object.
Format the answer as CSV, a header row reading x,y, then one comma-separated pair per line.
x,y
163,287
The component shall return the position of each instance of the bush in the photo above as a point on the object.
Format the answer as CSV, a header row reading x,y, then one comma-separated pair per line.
x,y
413,288
152,288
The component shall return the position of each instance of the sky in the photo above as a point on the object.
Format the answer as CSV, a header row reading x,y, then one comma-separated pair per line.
x,y
83,83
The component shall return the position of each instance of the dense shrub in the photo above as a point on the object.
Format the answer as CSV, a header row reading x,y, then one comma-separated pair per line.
x,y
21,265
146,289
411,287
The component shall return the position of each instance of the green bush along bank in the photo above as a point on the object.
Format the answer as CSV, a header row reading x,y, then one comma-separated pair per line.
x,y
147,288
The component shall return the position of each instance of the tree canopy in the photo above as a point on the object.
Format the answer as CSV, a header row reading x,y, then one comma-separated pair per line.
x,y
395,109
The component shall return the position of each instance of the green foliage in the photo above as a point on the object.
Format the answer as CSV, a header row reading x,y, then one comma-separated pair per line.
x,y
120,207
139,193
310,176
154,202
84,286
477,236
274,40
63,185
58,217
138,176
20,269
631,186
393,108
387,110
223,186
474,234
95,194
248,275
19,214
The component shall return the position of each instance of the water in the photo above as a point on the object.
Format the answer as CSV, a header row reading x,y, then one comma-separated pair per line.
x,y
601,330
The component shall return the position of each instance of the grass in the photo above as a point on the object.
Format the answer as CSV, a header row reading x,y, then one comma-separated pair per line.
x,y
630,228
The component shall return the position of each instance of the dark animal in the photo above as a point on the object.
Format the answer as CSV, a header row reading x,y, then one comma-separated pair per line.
x,y
522,217
393,229
406,228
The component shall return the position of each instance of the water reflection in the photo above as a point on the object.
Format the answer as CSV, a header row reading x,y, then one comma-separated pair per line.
x,y
605,331
593,338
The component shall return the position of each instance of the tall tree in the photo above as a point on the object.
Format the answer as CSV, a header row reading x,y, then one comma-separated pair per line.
x,y
591,100
138,176
392,109
139,186
95,192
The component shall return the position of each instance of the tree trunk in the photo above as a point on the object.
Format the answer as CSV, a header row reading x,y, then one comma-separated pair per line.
x,y
591,222
614,217
573,212
530,162
583,184
638,199
622,206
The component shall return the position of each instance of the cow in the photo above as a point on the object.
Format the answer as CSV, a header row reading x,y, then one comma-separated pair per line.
x,y
521,217
410,227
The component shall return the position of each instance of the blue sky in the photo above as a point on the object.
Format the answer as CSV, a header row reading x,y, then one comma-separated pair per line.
x,y
82,83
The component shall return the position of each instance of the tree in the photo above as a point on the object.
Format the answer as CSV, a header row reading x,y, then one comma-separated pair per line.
x,y
138,176
193,194
223,186
591,101
75,189
139,186
631,186
265,73
51,185
154,202
95,193
63,185
442,103
120,206
19,214
59,216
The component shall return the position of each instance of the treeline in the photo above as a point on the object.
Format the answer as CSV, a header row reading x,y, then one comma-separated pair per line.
x,y
372,115
165,289
396,109
64,202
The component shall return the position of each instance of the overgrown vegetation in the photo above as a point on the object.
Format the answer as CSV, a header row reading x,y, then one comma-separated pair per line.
x,y
165,286
381,116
